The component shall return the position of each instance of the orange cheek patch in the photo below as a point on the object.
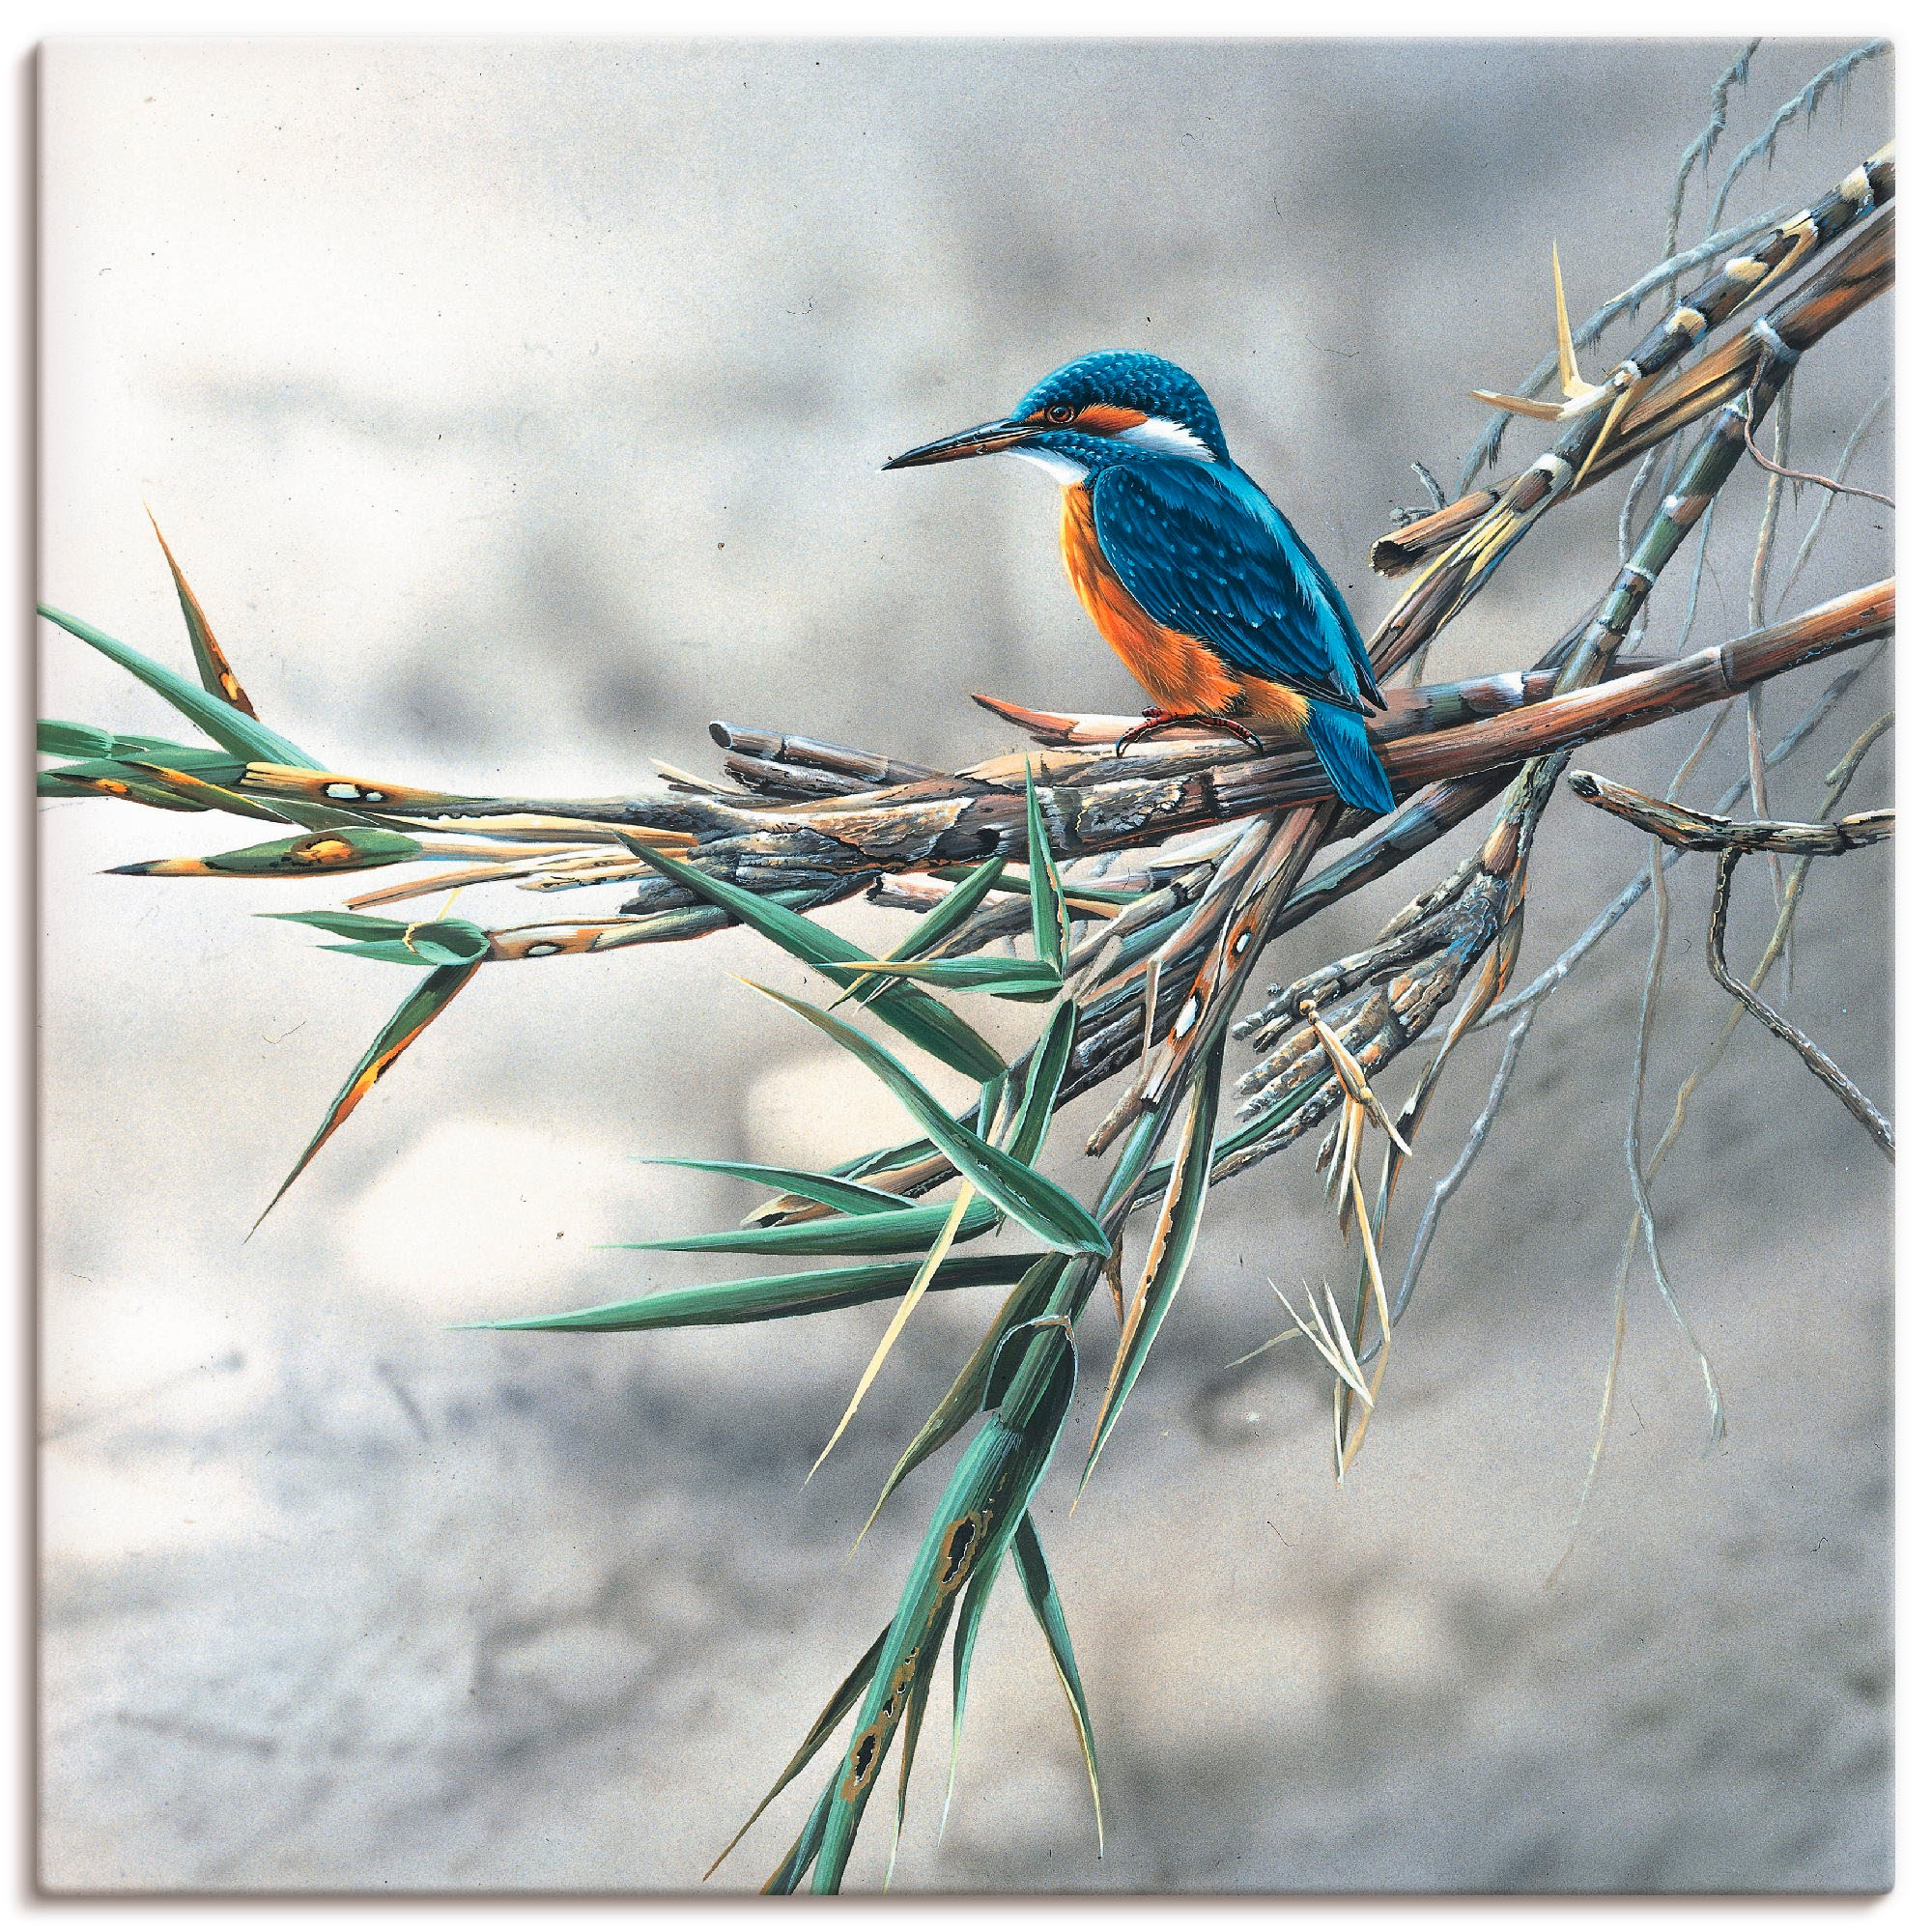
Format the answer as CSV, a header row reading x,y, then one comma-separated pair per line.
x,y
1105,419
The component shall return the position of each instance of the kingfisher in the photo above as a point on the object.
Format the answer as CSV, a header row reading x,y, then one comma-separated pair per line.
x,y
1188,571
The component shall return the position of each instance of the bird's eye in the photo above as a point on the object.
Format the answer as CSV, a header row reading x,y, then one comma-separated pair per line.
x,y
1060,413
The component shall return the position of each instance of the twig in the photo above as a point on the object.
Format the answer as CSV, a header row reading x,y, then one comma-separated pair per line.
x,y
1853,444
1445,1188
1806,101
1814,1056
1704,832
1776,469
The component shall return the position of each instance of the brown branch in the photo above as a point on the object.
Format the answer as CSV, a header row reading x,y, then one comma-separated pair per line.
x,y
1703,832
1814,1056
843,846
1860,272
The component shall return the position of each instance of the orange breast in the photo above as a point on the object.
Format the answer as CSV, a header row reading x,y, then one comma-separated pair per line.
x,y
1178,673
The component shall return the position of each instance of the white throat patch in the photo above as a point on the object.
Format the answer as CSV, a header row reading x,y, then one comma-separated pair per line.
x,y
1169,437
1065,470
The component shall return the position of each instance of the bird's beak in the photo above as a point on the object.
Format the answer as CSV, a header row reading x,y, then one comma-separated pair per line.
x,y
985,440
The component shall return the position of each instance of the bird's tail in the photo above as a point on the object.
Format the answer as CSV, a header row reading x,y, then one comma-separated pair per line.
x,y
1340,741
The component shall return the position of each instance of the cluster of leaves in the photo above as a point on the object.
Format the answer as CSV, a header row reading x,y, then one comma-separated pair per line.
x,y
1018,1383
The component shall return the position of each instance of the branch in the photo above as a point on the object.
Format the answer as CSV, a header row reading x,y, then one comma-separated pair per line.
x,y
1860,272
1703,832
1814,1056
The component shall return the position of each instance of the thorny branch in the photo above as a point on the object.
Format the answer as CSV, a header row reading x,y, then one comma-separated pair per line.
x,y
1218,839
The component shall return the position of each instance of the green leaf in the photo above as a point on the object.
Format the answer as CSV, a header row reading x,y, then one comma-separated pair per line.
x,y
772,1297
1002,978
216,677
965,1636
823,1725
797,1861
918,1015
1029,1198
1043,1600
59,739
436,942
1021,885
1171,1249
1049,906
910,1726
408,1021
246,737
967,1396
828,1190
949,913
904,1230
134,789
970,1532
1044,1073
345,925
347,850
214,767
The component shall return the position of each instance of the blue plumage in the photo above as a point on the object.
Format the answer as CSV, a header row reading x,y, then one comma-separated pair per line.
x,y
1204,551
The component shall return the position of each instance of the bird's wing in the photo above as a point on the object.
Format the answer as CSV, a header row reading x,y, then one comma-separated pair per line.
x,y
1203,551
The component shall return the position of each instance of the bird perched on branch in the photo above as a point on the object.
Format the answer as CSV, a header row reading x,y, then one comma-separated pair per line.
x,y
1200,584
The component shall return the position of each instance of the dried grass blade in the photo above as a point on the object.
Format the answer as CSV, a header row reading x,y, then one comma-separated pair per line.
x,y
901,1315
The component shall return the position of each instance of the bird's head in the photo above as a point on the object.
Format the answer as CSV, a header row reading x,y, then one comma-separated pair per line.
x,y
1116,406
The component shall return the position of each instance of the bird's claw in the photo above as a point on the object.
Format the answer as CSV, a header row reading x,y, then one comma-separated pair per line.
x,y
1157,720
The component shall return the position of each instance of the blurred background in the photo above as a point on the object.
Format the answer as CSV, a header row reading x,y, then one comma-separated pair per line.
x,y
517,407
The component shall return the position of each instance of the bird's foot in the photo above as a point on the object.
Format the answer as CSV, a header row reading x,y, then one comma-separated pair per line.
x,y
1158,719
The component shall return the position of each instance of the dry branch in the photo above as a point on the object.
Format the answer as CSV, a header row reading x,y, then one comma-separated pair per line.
x,y
1704,832
1807,1050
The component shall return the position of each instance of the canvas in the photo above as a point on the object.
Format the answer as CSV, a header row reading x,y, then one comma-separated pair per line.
x,y
1371,1328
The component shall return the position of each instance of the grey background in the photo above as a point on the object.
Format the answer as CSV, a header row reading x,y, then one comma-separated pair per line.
x,y
515,408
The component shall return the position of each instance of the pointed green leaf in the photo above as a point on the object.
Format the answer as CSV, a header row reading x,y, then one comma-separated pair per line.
x,y
345,925
1049,906
970,1532
216,767
1043,1600
904,1230
136,788
910,1726
50,784
796,1862
951,913
246,737
772,1298
356,849
408,1021
388,952
434,941
1044,1073
216,678
965,1636
828,1190
840,1701
1029,1198
918,1015
1173,1245
1001,976
214,790
60,739
967,1396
